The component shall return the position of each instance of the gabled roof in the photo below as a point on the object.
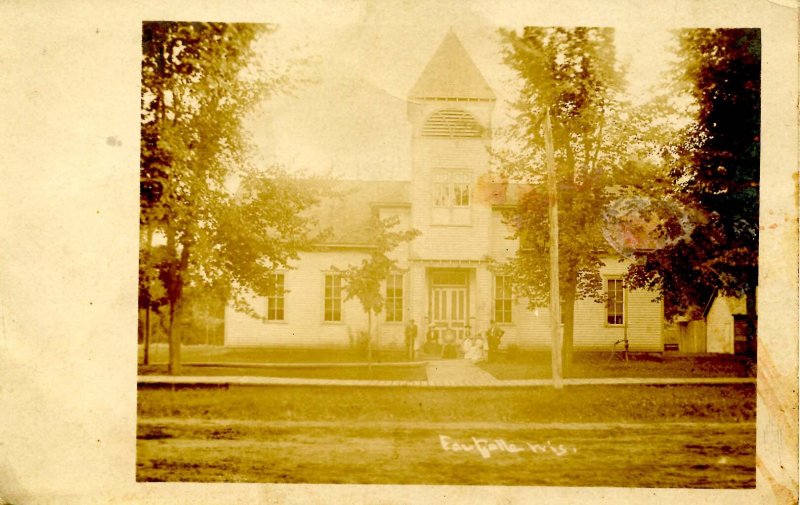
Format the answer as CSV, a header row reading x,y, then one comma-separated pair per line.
x,y
451,73
345,216
737,305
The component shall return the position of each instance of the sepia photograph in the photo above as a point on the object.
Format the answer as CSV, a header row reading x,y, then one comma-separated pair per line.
x,y
488,256
430,251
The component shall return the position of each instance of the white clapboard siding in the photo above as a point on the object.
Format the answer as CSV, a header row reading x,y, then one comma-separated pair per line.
x,y
484,299
468,241
391,335
531,328
502,248
455,153
643,326
303,324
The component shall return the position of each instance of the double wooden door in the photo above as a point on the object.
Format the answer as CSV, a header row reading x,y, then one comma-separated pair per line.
x,y
449,312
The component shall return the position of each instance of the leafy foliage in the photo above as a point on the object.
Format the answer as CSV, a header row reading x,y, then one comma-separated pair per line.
x,y
715,173
571,73
198,82
364,281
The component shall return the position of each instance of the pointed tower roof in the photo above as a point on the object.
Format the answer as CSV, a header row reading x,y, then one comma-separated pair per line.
x,y
451,73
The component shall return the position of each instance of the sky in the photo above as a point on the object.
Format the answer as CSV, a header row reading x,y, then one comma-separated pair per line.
x,y
349,120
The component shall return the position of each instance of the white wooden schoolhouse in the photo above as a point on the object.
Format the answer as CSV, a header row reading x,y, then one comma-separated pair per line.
x,y
444,280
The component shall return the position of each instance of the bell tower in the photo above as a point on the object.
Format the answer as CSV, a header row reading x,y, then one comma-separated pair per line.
x,y
450,80
450,110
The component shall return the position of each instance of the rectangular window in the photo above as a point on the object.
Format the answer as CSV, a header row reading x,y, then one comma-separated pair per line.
x,y
441,194
460,194
502,299
394,298
333,297
616,302
451,188
451,197
460,183
275,298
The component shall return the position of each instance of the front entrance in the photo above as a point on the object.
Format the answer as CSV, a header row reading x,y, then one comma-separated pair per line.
x,y
449,305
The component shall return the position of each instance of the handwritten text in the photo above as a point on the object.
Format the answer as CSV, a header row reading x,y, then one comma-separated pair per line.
x,y
485,447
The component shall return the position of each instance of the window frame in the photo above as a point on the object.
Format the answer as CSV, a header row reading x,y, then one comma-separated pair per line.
x,y
441,193
455,185
276,296
394,314
452,196
334,298
505,313
618,311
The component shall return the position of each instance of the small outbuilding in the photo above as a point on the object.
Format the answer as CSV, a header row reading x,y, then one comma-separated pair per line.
x,y
686,335
726,326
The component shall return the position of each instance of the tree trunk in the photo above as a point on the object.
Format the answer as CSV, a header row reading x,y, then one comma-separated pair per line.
x,y
147,335
149,302
569,284
568,291
556,333
206,319
369,340
174,341
173,296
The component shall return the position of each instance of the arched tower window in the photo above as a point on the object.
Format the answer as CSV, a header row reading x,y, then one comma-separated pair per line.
x,y
452,123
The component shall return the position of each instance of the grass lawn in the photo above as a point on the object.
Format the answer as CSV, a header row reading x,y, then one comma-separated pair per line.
x,y
404,373
677,436
718,403
522,365
159,353
597,365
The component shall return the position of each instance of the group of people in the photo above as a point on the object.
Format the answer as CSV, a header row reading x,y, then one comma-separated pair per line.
x,y
472,347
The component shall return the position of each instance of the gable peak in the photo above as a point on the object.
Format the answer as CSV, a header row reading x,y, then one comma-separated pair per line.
x,y
451,73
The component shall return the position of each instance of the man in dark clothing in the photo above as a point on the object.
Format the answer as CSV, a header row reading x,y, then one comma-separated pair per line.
x,y
411,336
493,336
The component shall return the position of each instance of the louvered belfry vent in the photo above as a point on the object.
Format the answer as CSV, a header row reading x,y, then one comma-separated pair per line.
x,y
451,123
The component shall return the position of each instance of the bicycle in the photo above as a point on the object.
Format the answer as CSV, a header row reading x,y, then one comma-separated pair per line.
x,y
624,353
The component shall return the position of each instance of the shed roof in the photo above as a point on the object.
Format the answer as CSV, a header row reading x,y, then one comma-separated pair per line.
x,y
451,73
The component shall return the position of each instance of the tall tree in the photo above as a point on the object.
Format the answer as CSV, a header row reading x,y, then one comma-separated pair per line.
x,y
363,281
152,295
571,73
715,173
198,82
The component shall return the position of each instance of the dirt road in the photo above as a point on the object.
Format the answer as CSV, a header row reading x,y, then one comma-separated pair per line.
x,y
663,454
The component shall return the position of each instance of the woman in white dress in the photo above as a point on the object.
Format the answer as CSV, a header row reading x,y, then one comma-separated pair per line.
x,y
466,347
475,351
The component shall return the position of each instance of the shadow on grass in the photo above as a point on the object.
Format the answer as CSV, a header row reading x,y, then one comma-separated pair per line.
x,y
159,354
398,373
587,365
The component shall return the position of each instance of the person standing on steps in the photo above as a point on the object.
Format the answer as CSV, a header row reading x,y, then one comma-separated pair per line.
x,y
493,336
411,336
